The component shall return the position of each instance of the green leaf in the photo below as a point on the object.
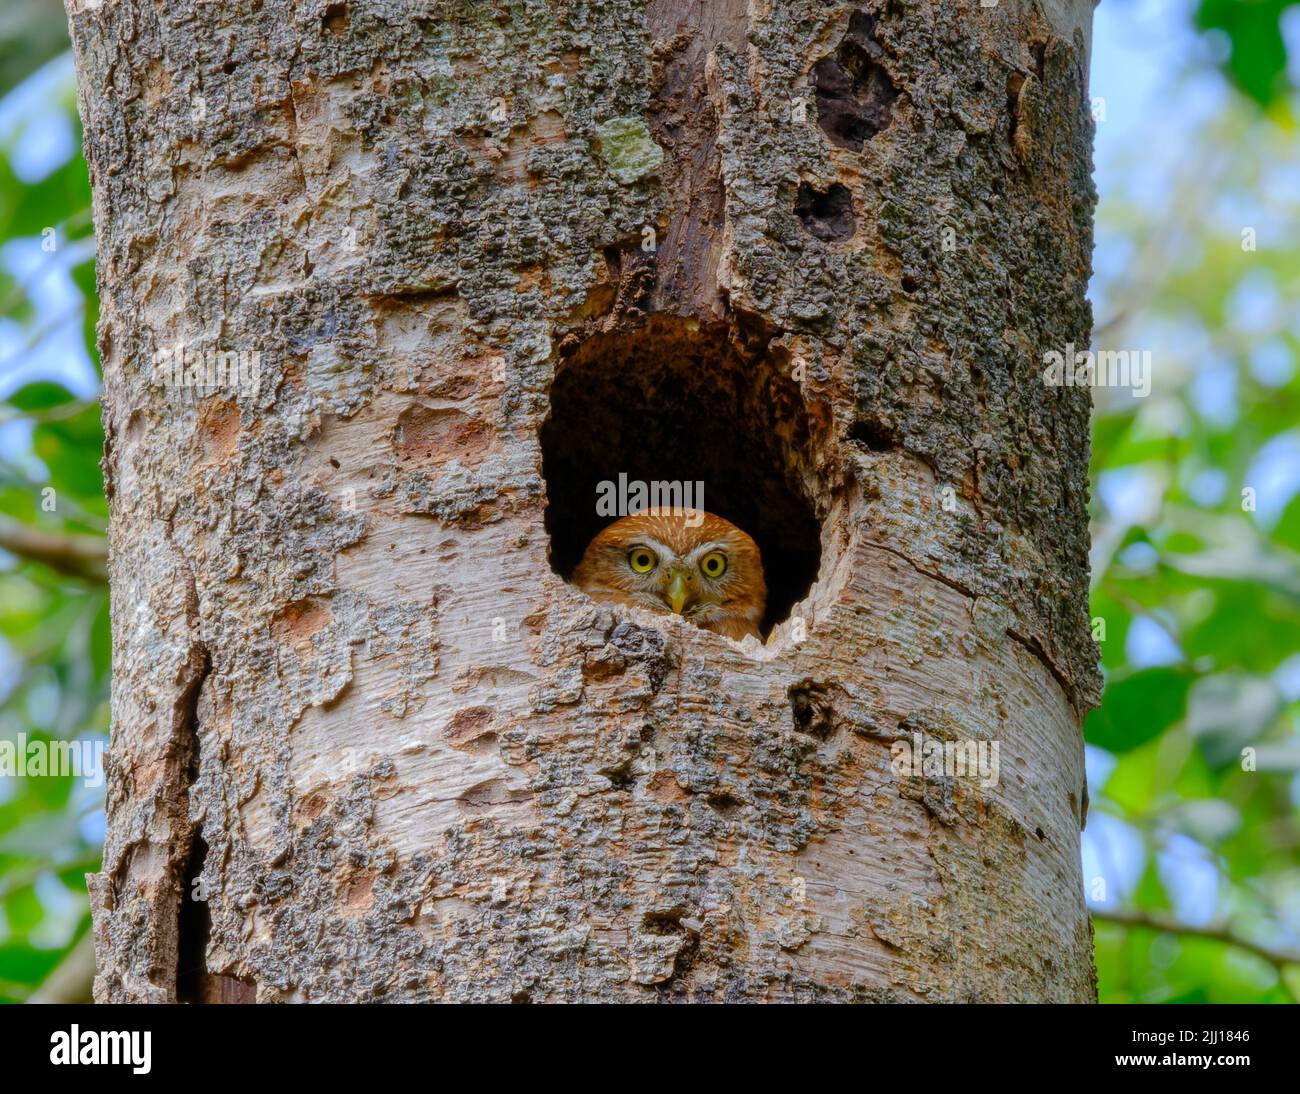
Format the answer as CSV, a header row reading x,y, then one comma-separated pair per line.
x,y
1133,784
1138,708
1251,627
24,965
1287,531
40,395
71,448
1257,63
29,210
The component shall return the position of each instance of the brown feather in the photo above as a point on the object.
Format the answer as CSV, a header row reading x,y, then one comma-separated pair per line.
x,y
732,605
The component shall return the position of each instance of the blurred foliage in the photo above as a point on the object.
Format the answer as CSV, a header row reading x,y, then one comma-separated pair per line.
x,y
54,635
1196,552
1179,566
31,32
1256,57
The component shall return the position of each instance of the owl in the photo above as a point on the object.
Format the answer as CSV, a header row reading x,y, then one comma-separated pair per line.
x,y
685,561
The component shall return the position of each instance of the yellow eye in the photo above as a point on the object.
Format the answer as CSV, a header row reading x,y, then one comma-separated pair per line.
x,y
714,564
641,559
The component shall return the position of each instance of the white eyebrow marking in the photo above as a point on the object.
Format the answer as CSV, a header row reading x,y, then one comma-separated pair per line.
x,y
705,548
659,549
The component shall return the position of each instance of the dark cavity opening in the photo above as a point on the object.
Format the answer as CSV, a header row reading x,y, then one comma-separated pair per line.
x,y
335,18
828,214
676,402
194,929
877,434
855,94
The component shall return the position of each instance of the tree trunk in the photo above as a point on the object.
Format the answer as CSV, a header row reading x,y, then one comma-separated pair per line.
x,y
472,260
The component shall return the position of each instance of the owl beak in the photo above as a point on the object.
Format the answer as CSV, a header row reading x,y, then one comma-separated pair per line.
x,y
677,592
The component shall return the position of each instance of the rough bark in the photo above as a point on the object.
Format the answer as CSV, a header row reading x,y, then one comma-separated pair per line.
x,y
357,706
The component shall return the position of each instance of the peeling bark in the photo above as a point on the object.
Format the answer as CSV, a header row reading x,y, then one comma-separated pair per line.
x,y
356,704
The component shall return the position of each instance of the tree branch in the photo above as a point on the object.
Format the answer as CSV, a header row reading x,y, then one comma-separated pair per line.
x,y
1219,932
84,557
56,413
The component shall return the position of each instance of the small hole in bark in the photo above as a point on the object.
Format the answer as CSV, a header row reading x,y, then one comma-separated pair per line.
x,y
662,923
1015,82
855,94
335,19
909,284
724,804
620,777
875,433
229,67
676,405
814,714
828,214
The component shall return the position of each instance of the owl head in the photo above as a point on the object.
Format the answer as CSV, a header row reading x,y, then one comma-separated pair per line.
x,y
685,561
